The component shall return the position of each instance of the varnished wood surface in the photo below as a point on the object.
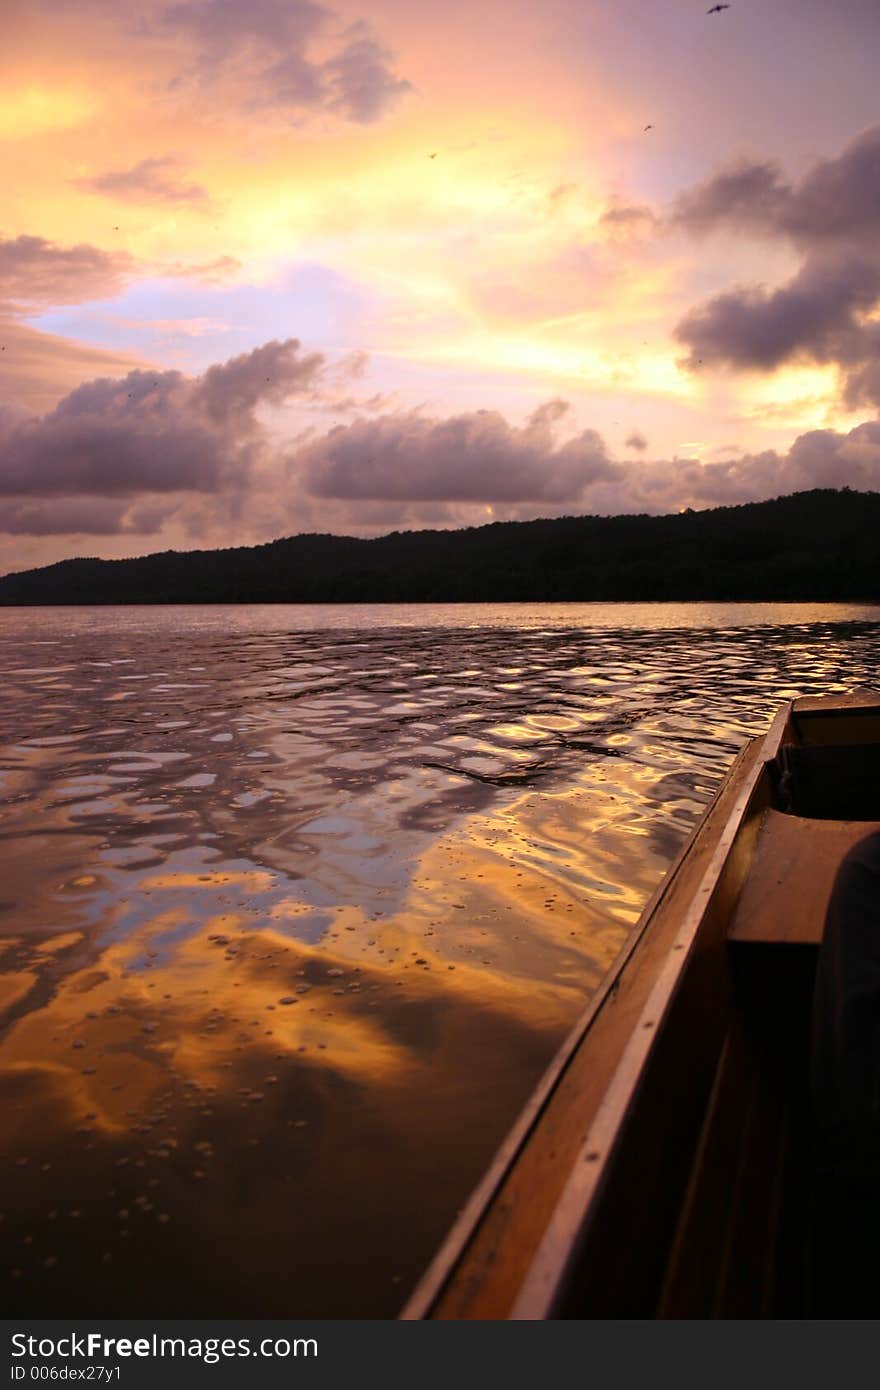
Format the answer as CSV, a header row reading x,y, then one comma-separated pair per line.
x,y
862,698
785,896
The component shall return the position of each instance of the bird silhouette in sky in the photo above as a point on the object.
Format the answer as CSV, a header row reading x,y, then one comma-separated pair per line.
x,y
649,127
716,9
433,156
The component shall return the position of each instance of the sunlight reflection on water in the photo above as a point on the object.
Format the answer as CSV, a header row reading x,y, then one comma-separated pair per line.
x,y
299,903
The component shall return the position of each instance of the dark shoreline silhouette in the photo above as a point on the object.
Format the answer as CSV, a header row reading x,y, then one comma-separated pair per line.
x,y
818,545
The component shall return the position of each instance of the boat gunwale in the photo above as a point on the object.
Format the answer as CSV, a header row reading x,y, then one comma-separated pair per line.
x,y
589,1172
432,1284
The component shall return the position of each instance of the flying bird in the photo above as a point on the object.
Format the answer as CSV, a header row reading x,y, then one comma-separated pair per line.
x,y
716,9
649,127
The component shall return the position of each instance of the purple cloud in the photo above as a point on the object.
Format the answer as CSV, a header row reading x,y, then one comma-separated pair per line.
x,y
812,316
225,28
628,219
124,457
36,271
150,181
749,195
68,516
837,200
357,81
406,470
832,215
476,457
153,432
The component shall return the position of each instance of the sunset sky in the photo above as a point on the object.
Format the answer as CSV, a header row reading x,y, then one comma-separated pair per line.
x,y
275,266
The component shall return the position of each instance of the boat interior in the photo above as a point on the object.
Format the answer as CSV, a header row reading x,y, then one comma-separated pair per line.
x,y
663,1168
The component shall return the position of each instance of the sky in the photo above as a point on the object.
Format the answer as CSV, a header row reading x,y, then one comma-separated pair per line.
x,y
279,266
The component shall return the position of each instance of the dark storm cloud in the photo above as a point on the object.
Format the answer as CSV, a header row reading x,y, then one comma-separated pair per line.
x,y
814,315
229,391
150,181
356,81
860,355
832,216
33,270
153,432
837,200
748,195
470,457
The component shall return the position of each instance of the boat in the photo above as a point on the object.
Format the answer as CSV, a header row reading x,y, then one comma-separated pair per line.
x,y
661,1168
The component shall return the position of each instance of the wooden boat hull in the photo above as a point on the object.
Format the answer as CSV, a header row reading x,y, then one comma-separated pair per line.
x,y
659,1170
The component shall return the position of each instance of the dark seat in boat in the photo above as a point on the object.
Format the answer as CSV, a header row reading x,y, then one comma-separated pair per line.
x,y
830,782
799,894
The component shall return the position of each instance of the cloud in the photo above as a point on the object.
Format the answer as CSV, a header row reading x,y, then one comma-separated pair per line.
x,y
832,217
150,181
819,458
71,516
188,459
229,392
355,80
628,219
637,441
409,470
148,433
815,315
838,200
36,271
226,28
359,81
476,457
748,195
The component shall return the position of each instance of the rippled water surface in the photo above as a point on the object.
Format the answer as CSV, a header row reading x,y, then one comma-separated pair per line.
x,y
297,904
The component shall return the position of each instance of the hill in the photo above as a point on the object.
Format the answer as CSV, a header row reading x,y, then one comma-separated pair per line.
x,y
823,544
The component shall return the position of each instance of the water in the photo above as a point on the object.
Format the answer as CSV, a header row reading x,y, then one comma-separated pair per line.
x,y
299,902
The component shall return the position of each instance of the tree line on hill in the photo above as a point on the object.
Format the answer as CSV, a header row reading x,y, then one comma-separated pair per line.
x,y
823,544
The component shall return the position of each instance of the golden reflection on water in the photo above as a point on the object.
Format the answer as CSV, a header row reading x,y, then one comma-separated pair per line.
x,y
287,947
